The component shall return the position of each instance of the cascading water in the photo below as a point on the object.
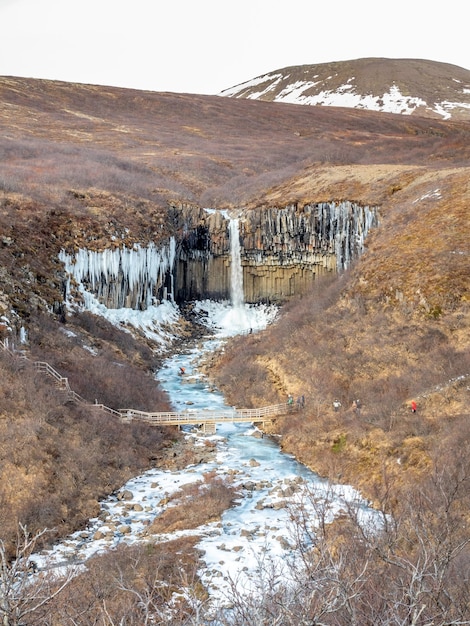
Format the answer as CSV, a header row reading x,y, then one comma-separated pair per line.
x,y
236,270
238,316
258,527
283,250
269,481
235,316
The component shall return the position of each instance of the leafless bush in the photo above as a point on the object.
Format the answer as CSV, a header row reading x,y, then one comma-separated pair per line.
x,y
102,364
26,596
135,585
58,460
196,504
409,566
406,564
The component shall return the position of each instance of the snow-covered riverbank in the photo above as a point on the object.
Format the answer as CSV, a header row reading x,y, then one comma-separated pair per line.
x,y
272,485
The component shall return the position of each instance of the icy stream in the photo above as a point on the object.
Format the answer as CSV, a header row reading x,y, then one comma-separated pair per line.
x,y
257,529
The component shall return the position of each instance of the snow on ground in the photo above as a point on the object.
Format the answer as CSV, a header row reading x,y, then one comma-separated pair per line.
x,y
141,270
256,531
226,320
155,322
345,95
436,193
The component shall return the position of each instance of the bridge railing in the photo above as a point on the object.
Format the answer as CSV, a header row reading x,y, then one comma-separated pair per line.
x,y
268,411
208,415
190,417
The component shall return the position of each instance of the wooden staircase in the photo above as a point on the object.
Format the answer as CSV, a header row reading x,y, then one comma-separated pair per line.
x,y
205,420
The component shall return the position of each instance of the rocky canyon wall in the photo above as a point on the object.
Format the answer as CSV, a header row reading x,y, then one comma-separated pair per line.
x,y
281,250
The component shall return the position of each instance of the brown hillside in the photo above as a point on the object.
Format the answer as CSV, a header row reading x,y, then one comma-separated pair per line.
x,y
82,164
87,163
60,136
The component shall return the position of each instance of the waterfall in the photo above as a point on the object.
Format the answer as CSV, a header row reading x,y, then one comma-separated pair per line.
x,y
236,269
238,318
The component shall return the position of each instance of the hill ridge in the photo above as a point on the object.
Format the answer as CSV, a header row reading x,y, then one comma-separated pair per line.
x,y
405,86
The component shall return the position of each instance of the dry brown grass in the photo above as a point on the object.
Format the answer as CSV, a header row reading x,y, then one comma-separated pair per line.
x,y
327,346
58,460
132,585
194,505
423,245
70,176
64,137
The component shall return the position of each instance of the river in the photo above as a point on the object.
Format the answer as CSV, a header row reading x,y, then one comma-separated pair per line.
x,y
258,528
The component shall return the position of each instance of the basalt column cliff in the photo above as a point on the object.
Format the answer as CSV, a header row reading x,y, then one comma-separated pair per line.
x,y
282,250
281,253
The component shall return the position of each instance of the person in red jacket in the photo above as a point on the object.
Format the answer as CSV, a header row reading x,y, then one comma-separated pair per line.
x,y
413,406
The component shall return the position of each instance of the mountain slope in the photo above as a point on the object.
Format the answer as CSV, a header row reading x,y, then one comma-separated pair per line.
x,y
404,86
98,167
75,158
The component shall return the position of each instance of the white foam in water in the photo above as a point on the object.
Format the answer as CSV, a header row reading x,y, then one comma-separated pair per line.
x,y
226,321
229,552
248,532
235,317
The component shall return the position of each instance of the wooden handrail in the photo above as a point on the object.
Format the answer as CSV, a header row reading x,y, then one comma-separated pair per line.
x,y
195,416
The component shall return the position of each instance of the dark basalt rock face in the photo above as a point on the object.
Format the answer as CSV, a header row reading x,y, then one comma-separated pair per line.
x,y
282,250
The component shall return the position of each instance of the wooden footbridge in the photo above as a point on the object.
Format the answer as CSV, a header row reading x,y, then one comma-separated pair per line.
x,y
205,420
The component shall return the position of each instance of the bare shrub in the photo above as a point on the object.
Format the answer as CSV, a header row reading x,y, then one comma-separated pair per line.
x,y
58,460
110,367
196,504
408,565
26,597
135,585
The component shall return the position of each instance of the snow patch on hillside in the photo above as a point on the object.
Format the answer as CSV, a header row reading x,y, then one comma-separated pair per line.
x,y
346,95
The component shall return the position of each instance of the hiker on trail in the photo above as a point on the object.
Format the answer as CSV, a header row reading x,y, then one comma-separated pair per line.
x,y
290,400
336,405
357,407
413,406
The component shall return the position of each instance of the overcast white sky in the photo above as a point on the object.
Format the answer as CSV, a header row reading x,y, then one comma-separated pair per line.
x,y
205,46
